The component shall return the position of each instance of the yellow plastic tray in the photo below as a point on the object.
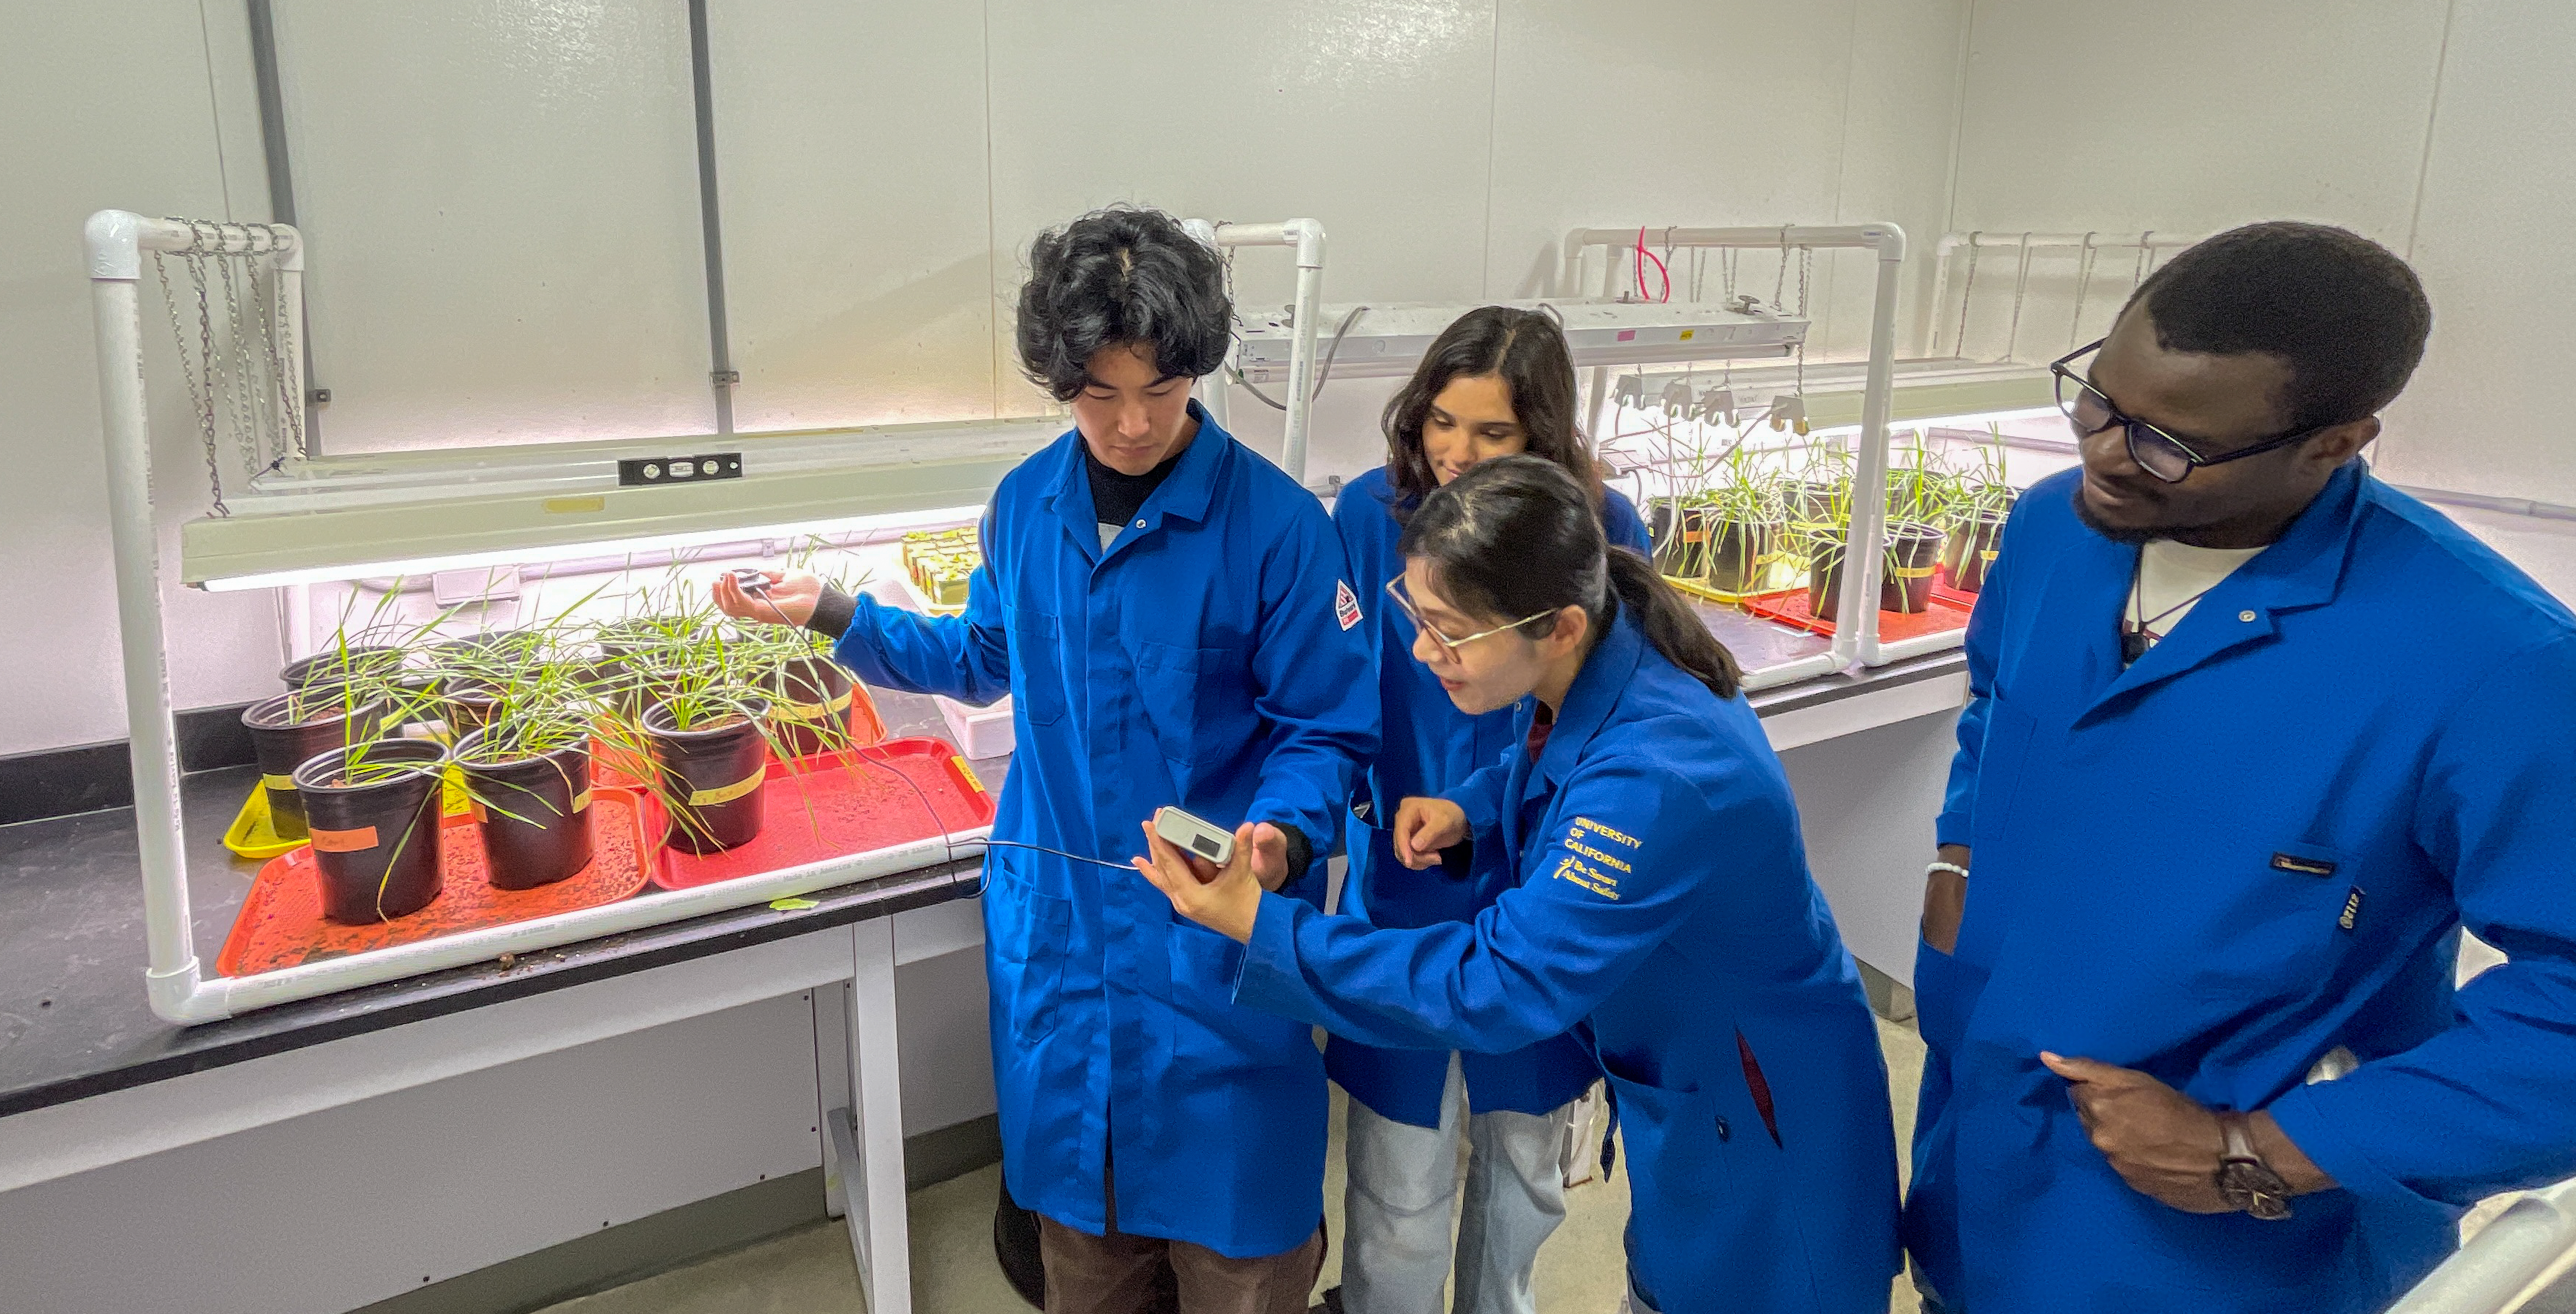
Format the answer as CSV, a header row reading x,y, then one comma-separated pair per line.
x,y
253,833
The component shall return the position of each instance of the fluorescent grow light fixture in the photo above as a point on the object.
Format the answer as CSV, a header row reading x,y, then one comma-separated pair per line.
x,y
642,546
1387,341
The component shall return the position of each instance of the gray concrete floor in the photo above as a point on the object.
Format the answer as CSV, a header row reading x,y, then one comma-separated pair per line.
x,y
810,1271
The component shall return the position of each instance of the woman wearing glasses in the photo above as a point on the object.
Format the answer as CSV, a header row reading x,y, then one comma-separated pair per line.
x,y
1659,906
1496,382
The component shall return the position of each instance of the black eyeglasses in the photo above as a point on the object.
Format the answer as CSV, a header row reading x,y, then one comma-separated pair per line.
x,y
2158,453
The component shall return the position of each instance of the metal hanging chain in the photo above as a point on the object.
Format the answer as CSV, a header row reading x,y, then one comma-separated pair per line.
x,y
2083,281
1780,286
240,389
1967,288
277,340
201,384
1806,268
2021,289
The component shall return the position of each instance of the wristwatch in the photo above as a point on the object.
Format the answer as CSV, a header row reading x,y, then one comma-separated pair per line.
x,y
2249,1184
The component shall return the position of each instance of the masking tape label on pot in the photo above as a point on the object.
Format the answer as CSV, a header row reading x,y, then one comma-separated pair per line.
x,y
809,711
1988,555
284,783
727,793
1911,572
344,841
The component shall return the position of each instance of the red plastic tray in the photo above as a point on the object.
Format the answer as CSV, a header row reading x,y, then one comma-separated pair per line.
x,y
1942,592
281,923
834,804
1789,607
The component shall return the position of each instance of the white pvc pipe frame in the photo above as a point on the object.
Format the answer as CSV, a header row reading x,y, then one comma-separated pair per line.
x,y
1307,236
1856,614
179,989
2511,1259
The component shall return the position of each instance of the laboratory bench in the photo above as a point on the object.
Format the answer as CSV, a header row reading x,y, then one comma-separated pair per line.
x,y
92,1083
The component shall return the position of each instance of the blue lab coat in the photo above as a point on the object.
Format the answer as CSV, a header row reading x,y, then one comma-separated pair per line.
x,y
1665,915
1198,661
1427,746
2255,845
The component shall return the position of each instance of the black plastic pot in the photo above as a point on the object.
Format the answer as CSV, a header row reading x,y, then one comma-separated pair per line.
x,y
291,729
536,812
466,706
1739,555
1905,584
1689,557
334,665
1971,548
710,779
375,841
1812,503
811,711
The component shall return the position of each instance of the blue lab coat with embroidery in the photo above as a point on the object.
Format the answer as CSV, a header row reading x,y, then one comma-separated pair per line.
x,y
1427,746
1664,914
1198,661
2257,844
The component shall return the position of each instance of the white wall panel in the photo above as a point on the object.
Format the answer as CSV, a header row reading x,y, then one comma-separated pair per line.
x,y
1370,117
1898,122
502,199
2195,115
1662,112
82,139
2492,247
850,148
2186,117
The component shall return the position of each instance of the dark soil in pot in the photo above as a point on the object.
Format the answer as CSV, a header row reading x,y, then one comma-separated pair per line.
x,y
1905,584
335,665
535,812
375,831
710,779
291,729
1971,548
810,712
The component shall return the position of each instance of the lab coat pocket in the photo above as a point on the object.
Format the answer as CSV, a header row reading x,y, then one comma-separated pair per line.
x,y
2284,919
1199,701
1945,994
1675,1139
1028,930
1037,666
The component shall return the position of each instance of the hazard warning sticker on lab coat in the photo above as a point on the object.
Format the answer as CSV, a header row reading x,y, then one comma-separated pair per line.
x,y
1346,605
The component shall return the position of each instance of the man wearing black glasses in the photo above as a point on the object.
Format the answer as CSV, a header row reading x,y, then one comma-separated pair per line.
x,y
2251,737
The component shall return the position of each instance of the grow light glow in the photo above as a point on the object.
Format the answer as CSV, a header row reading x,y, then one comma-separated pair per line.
x,y
889,523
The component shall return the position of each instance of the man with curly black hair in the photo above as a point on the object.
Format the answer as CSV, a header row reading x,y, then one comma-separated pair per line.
x,y
2251,737
1174,622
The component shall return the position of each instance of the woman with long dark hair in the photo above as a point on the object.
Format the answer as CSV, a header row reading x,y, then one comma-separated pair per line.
x,y
1661,909
1499,381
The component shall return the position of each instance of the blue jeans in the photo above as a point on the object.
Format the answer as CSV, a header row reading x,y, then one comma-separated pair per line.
x,y
1395,1210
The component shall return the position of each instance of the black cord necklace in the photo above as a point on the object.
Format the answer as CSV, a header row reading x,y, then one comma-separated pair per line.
x,y
2135,635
